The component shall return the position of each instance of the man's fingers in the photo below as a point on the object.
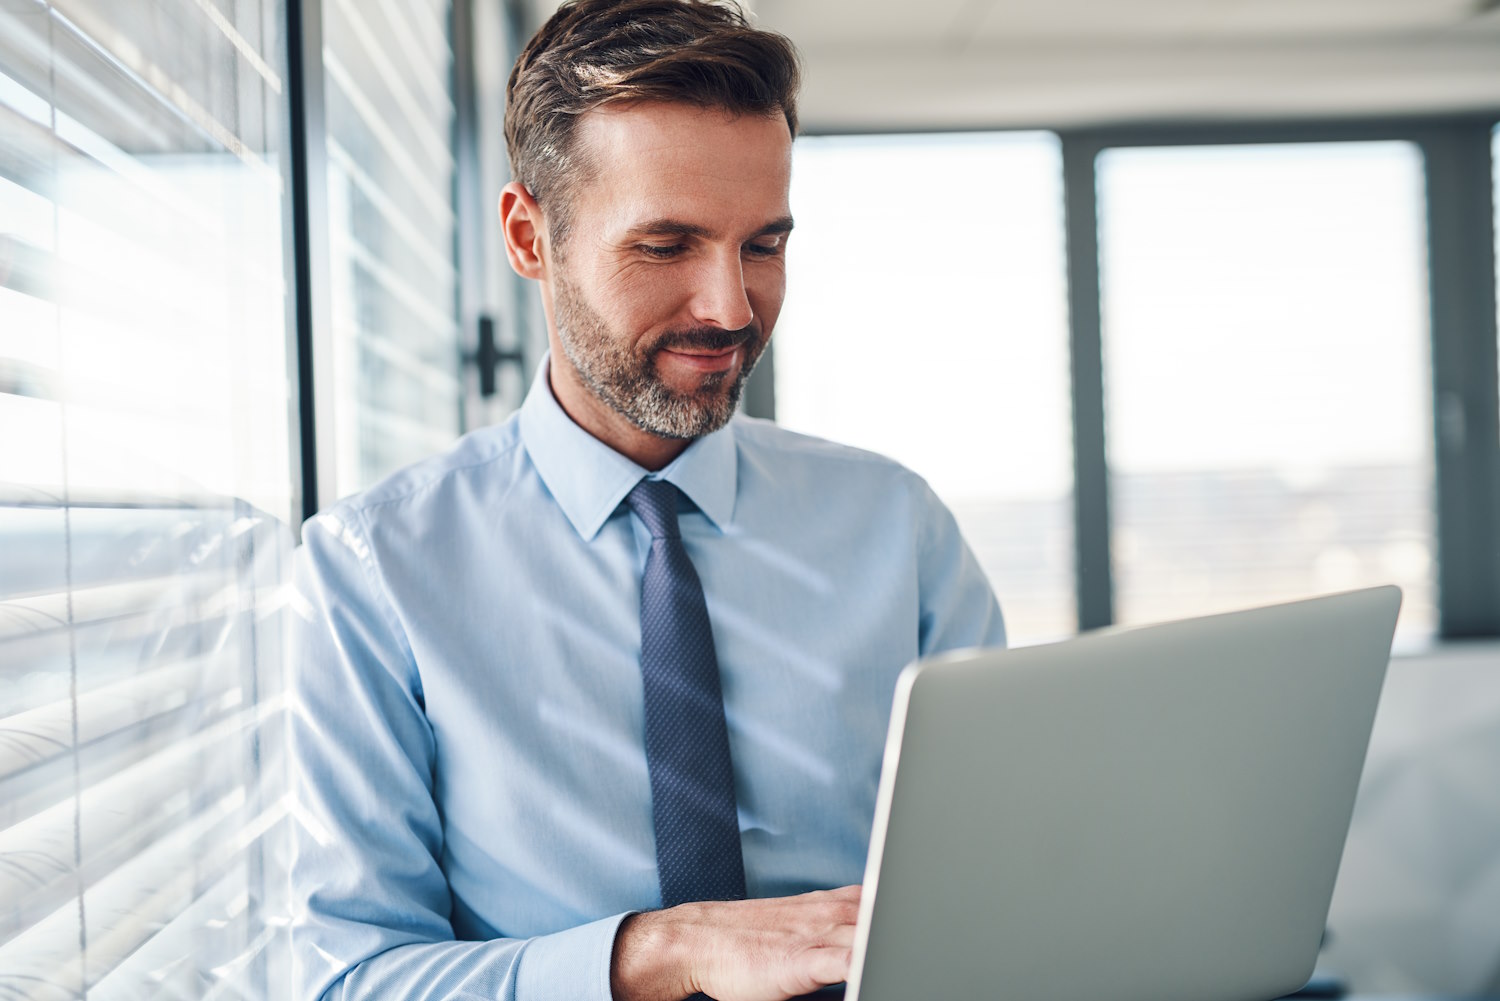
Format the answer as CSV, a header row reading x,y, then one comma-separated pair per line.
x,y
843,903
840,893
751,950
841,937
831,965
818,920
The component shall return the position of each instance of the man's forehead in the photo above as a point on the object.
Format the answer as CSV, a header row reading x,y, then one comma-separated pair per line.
x,y
673,164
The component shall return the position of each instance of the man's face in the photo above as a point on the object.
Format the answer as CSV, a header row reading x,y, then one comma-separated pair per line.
x,y
672,273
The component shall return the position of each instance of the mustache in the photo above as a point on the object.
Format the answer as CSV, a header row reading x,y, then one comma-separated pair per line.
x,y
707,338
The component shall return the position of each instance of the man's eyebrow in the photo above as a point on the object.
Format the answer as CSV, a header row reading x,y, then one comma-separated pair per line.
x,y
676,227
782,225
670,227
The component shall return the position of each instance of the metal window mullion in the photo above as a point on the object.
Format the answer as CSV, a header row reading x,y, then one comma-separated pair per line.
x,y
522,300
1091,529
468,238
1461,273
310,265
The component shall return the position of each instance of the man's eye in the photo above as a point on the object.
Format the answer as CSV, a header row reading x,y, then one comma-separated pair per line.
x,y
660,252
764,249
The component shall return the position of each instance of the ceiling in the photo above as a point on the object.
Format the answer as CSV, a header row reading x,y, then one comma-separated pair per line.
x,y
922,64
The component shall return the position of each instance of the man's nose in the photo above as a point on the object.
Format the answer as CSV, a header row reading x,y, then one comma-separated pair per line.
x,y
721,299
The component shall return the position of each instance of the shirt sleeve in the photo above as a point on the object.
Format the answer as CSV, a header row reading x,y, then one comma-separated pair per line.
x,y
371,906
959,608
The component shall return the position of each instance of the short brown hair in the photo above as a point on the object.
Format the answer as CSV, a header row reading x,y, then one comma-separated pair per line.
x,y
597,52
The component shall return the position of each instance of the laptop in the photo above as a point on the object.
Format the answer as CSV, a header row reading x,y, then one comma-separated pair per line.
x,y
1147,814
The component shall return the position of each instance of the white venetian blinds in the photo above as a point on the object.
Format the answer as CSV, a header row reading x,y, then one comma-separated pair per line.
x,y
388,85
145,492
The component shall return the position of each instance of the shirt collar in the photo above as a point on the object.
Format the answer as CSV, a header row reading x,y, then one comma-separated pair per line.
x,y
589,479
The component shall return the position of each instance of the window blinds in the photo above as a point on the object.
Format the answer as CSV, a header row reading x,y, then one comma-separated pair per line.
x,y
388,85
145,449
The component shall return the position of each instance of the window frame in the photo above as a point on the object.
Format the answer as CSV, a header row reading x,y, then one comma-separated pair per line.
x,y
1465,426
1461,294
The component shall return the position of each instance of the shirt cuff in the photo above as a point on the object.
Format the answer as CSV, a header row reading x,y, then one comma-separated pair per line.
x,y
570,965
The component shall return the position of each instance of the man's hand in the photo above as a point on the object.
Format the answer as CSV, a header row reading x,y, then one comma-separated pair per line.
x,y
738,950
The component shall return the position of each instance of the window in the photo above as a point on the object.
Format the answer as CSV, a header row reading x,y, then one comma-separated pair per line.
x,y
145,419
1267,375
396,357
926,319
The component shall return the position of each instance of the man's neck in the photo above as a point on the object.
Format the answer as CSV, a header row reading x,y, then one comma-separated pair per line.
x,y
647,450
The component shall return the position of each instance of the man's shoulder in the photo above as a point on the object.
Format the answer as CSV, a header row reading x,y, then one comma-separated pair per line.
x,y
763,439
790,461
479,457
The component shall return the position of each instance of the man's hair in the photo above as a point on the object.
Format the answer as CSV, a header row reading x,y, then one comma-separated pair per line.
x,y
597,52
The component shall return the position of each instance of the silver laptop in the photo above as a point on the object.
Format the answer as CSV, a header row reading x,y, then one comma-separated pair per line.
x,y
1151,814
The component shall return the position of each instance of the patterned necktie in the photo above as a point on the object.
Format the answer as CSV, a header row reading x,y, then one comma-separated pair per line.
x,y
687,743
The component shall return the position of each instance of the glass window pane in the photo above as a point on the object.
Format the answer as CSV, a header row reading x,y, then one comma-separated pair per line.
x,y
1268,375
388,70
145,495
506,296
926,319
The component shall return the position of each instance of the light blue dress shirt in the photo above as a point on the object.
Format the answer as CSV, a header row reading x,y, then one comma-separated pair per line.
x,y
473,802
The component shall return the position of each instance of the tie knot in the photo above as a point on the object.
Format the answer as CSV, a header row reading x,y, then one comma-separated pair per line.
x,y
655,503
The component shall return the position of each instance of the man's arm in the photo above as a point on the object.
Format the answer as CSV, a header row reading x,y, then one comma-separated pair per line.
x,y
958,605
371,904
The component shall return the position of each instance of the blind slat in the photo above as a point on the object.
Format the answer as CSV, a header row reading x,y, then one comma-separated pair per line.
x,y
175,602
417,178
125,813
416,238
365,43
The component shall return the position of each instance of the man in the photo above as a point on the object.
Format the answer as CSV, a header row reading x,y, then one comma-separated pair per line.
x,y
593,705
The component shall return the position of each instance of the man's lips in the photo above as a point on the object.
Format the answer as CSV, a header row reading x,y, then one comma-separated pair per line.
x,y
703,360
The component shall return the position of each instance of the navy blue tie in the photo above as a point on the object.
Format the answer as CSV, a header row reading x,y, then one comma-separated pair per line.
x,y
687,743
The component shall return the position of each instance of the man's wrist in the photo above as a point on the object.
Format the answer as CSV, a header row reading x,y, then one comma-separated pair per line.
x,y
651,959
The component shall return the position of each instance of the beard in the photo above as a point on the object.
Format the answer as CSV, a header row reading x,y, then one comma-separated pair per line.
x,y
624,376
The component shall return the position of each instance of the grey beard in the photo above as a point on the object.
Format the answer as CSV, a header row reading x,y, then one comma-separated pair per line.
x,y
653,407
628,383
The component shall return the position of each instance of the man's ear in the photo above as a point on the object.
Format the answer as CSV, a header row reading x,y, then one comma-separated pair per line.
x,y
521,222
